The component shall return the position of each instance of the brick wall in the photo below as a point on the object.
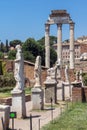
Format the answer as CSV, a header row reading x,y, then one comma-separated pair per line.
x,y
71,75
83,48
29,72
77,94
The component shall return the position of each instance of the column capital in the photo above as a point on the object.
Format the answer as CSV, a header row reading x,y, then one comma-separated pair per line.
x,y
59,25
72,25
47,27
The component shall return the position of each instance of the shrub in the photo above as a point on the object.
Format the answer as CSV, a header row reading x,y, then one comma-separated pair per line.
x,y
85,79
7,80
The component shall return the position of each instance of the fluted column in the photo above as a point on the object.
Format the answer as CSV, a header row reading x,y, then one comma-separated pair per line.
x,y
47,46
59,43
72,60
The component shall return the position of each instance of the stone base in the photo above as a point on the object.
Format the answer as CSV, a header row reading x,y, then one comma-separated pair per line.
x,y
67,90
18,103
37,98
77,94
50,92
59,91
4,113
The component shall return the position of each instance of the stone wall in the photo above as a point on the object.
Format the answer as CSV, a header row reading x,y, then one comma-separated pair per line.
x,y
71,75
8,101
79,94
28,71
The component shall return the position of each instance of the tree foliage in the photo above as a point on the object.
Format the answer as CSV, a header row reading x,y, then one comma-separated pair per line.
x,y
31,49
53,56
1,55
12,54
53,40
15,42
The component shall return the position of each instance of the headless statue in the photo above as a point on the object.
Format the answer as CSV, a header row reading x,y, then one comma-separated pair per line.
x,y
37,72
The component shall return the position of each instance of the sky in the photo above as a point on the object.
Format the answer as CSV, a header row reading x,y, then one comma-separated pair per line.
x,y
22,19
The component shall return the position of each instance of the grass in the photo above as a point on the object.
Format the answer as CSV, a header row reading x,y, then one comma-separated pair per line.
x,y
6,91
75,118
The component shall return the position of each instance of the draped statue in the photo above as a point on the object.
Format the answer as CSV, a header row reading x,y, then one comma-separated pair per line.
x,y
19,69
37,72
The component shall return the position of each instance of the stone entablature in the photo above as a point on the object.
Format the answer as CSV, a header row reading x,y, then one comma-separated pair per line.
x,y
59,13
59,16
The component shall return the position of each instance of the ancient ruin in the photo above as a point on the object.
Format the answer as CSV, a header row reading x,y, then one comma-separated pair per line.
x,y
59,17
18,94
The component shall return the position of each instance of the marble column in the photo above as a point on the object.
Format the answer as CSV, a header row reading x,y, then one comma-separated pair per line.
x,y
72,62
47,46
59,43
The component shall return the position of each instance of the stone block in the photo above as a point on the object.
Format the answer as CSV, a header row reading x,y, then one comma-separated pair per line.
x,y
77,94
50,92
37,98
4,113
18,103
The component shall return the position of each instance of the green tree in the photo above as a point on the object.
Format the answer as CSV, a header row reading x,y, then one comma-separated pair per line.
x,y
2,47
31,46
15,42
7,46
36,48
1,55
12,54
28,56
53,40
53,56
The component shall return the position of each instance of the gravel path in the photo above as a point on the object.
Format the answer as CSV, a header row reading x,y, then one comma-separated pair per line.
x,y
40,118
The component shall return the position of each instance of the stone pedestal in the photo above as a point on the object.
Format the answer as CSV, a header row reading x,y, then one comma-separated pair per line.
x,y
18,103
67,90
77,91
4,113
50,91
37,98
77,94
59,90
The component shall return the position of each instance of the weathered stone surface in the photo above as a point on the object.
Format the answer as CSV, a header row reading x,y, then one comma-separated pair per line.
x,y
37,98
18,103
37,72
19,69
50,92
4,113
77,94
72,58
60,94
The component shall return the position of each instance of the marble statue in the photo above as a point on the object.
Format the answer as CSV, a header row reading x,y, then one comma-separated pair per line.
x,y
37,72
52,73
19,69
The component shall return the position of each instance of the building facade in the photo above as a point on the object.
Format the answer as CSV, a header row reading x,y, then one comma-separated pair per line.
x,y
79,49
